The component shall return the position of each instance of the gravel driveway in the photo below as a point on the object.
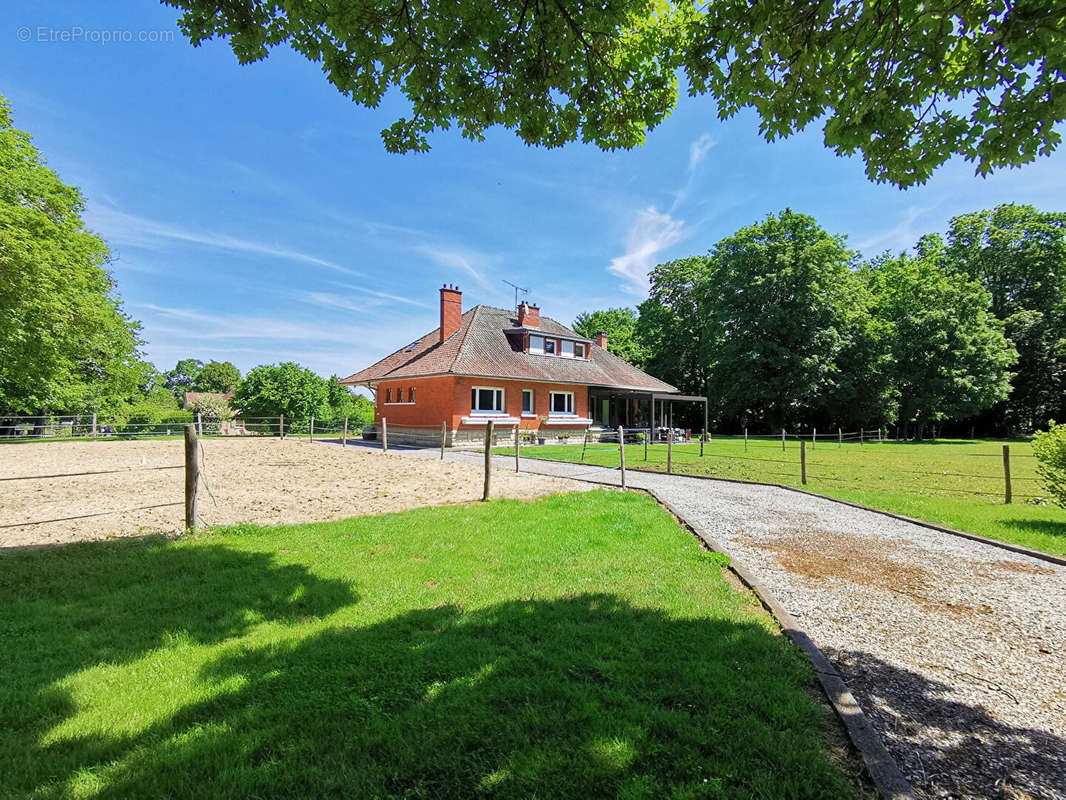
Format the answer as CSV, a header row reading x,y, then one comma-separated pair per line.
x,y
955,649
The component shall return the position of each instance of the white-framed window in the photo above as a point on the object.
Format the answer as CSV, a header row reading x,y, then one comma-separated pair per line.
x,y
486,400
549,346
388,395
579,350
536,344
527,401
566,348
411,395
561,403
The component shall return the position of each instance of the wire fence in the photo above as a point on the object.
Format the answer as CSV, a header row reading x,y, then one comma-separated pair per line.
x,y
93,427
842,462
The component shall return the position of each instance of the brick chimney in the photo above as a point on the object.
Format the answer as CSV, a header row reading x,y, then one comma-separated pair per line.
x,y
528,315
601,340
451,310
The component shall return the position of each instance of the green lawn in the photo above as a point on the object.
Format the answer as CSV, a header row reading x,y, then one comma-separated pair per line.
x,y
577,646
955,483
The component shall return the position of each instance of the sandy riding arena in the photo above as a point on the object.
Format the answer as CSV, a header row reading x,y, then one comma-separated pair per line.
x,y
265,481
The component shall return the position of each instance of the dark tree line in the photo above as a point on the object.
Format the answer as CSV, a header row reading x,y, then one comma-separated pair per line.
x,y
781,325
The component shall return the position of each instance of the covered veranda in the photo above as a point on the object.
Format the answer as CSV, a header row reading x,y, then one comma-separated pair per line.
x,y
610,407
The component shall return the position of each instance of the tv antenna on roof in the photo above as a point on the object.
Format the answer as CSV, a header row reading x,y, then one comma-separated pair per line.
x,y
517,289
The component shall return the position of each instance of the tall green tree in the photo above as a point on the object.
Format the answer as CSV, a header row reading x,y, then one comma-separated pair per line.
x,y
183,377
65,343
672,327
950,358
1018,254
783,307
287,388
620,325
217,376
907,85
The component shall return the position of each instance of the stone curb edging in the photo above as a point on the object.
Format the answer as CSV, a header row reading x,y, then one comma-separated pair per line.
x,y
881,766
1014,548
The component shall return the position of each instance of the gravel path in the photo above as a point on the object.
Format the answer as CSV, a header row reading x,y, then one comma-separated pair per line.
x,y
955,649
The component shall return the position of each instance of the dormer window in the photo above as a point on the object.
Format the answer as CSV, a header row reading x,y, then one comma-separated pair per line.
x,y
566,348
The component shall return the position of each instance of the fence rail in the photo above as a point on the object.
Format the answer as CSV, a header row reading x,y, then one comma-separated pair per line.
x,y
89,426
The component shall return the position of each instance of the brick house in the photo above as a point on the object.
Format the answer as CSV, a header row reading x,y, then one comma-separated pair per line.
x,y
523,371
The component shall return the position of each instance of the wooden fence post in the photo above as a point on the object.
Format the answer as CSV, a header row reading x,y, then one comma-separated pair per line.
x,y
803,461
281,426
443,437
840,438
518,445
1006,474
199,425
94,424
622,455
782,440
814,437
646,437
702,440
670,449
745,440
311,430
488,460
879,439
860,435
192,476
384,435
344,436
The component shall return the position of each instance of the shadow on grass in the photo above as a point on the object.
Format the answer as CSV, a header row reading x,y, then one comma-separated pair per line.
x,y
68,608
580,697
948,748
1048,527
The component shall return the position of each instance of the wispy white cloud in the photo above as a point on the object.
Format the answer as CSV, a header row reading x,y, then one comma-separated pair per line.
x,y
201,325
339,301
383,295
697,151
652,232
699,148
470,263
247,340
136,231
900,237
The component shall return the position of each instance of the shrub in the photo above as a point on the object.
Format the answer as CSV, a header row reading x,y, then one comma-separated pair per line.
x,y
213,412
1050,449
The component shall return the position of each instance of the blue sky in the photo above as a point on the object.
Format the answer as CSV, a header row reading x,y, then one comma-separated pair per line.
x,y
254,215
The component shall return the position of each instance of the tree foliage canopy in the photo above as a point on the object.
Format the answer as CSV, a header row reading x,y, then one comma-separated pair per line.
x,y
948,354
65,342
620,325
287,388
217,376
782,306
1018,254
274,389
905,84
781,326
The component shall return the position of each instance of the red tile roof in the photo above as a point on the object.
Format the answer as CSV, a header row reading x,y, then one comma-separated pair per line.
x,y
482,348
